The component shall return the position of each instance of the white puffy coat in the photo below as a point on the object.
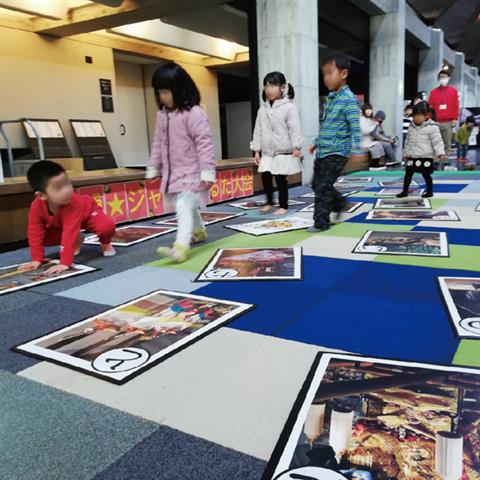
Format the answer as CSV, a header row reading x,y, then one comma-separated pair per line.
x,y
424,141
277,128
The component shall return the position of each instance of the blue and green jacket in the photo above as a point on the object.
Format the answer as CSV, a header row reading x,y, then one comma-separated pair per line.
x,y
340,126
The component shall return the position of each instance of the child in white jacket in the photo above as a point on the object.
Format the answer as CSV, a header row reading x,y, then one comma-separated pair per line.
x,y
423,144
277,139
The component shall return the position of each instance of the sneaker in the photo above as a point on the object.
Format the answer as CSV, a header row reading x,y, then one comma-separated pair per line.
x,y
377,169
402,195
78,244
427,195
390,164
199,235
108,250
266,208
178,252
280,211
314,229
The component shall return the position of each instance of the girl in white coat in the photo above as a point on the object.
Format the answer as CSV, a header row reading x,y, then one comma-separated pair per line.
x,y
277,139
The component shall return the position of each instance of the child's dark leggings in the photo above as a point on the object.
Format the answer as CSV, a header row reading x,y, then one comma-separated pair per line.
x,y
282,184
427,176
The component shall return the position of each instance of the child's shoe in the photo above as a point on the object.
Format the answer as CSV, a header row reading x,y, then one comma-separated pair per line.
x,y
402,195
280,211
199,235
178,252
78,244
108,250
427,194
314,229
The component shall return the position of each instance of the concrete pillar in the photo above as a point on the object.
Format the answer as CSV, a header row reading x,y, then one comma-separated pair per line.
x,y
387,59
287,35
458,76
431,61
476,87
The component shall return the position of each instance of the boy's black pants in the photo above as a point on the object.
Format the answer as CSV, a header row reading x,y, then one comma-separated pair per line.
x,y
325,173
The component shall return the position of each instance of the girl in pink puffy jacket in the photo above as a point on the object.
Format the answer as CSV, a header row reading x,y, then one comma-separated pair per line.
x,y
183,154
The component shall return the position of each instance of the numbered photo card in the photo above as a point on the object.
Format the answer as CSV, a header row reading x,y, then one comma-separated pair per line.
x,y
266,227
207,217
350,207
123,342
354,179
392,192
253,264
438,215
403,203
396,184
131,235
12,278
254,204
461,296
361,418
426,244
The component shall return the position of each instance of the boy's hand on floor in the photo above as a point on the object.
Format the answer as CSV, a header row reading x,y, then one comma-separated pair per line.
x,y
56,269
311,149
33,265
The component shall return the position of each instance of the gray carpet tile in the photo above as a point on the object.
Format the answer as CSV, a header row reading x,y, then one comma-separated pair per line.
x,y
46,434
168,454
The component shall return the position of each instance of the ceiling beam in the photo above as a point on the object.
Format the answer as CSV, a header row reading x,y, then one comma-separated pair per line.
x,y
93,17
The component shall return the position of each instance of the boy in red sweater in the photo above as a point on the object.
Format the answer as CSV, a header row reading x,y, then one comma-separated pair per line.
x,y
58,213
444,100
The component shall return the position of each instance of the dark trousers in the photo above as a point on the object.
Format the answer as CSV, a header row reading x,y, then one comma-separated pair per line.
x,y
325,173
427,176
282,184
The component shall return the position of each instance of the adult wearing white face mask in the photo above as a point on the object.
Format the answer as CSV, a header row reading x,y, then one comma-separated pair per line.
x,y
444,100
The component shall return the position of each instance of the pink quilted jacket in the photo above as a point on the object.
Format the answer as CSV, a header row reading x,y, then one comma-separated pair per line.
x,y
182,150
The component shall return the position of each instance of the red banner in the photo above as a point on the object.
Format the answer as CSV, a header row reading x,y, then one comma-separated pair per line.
x,y
154,197
247,175
215,191
96,191
226,191
116,202
136,200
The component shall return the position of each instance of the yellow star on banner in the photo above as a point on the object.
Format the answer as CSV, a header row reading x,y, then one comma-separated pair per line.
x,y
116,205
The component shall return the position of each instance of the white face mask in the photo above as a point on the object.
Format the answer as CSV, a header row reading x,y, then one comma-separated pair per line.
x,y
443,81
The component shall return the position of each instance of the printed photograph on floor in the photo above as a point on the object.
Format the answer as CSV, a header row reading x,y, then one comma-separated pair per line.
x,y
438,215
396,184
207,217
431,244
349,208
122,342
461,296
347,186
266,227
392,192
403,203
376,419
13,278
254,204
131,235
354,179
254,264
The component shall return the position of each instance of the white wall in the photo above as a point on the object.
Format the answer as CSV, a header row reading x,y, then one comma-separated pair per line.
x,y
239,129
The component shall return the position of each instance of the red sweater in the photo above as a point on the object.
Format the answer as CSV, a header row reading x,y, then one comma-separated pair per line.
x,y
444,100
69,219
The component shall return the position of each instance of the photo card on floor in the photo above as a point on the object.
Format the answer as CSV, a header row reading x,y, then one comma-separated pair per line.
x,y
368,418
122,342
131,235
461,295
418,243
414,215
267,227
393,192
233,264
11,279
403,203
208,218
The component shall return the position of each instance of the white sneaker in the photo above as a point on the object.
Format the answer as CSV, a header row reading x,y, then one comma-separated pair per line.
x,y
390,164
108,250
